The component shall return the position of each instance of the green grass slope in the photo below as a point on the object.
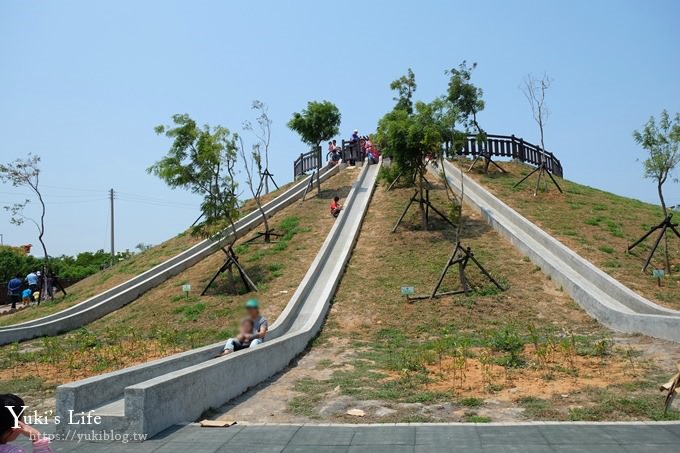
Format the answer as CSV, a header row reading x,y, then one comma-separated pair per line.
x,y
117,274
598,225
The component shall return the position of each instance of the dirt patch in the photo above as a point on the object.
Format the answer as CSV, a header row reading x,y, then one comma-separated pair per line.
x,y
561,375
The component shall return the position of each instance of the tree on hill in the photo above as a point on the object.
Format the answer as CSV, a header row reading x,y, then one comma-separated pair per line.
x,y
410,137
319,122
465,100
534,90
202,160
263,134
26,173
256,163
661,140
405,86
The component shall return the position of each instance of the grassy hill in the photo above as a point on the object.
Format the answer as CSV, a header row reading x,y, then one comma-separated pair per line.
x,y
596,224
164,321
525,353
118,273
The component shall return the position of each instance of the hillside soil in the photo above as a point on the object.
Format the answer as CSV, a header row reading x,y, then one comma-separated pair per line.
x,y
164,320
526,353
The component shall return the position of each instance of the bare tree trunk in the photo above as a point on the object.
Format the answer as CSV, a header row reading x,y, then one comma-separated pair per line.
x,y
423,215
46,266
667,259
661,198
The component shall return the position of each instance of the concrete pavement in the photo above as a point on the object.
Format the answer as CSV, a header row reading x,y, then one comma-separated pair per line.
x,y
413,438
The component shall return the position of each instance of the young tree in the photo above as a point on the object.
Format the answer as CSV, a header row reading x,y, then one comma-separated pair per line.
x,y
253,161
405,86
465,103
263,134
320,121
411,140
202,160
534,90
26,173
661,140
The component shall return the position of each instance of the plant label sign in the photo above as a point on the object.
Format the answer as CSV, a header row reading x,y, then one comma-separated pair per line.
x,y
658,273
408,291
186,288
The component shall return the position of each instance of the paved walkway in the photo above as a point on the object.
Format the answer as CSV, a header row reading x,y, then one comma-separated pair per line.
x,y
535,437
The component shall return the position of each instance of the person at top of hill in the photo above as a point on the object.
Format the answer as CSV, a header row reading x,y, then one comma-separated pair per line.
x,y
333,155
336,207
355,136
257,334
12,426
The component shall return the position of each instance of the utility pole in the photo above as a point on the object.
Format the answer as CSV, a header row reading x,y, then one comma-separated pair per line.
x,y
113,250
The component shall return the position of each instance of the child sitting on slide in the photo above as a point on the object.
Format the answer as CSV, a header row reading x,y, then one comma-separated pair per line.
x,y
12,426
336,207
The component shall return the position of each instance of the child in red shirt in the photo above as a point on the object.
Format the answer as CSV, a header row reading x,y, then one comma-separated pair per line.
x,y
336,207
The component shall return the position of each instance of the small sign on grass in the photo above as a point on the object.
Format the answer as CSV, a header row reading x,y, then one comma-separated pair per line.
x,y
408,291
186,289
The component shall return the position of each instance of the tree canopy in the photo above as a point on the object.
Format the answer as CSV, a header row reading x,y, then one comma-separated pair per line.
x,y
319,122
405,86
202,160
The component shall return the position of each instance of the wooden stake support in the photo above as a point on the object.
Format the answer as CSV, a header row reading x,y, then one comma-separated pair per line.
x,y
487,157
460,258
266,176
541,169
232,260
267,236
664,226
311,184
427,205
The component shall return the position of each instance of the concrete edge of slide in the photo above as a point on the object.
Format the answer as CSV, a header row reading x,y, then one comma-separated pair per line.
x,y
600,295
181,387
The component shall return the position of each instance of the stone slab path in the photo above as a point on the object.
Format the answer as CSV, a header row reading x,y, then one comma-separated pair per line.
x,y
400,438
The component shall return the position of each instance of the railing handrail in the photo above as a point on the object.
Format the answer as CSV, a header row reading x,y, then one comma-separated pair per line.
x,y
310,160
514,147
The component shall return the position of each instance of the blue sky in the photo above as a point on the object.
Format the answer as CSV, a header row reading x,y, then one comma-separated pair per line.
x,y
83,84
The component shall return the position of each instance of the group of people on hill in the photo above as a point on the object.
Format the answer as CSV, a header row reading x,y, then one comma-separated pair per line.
x,y
334,154
32,288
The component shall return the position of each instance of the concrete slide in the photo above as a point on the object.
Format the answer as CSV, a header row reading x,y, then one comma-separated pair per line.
x,y
110,300
601,296
151,397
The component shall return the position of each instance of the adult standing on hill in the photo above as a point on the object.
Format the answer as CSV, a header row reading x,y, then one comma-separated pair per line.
x,y
260,327
14,290
33,281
